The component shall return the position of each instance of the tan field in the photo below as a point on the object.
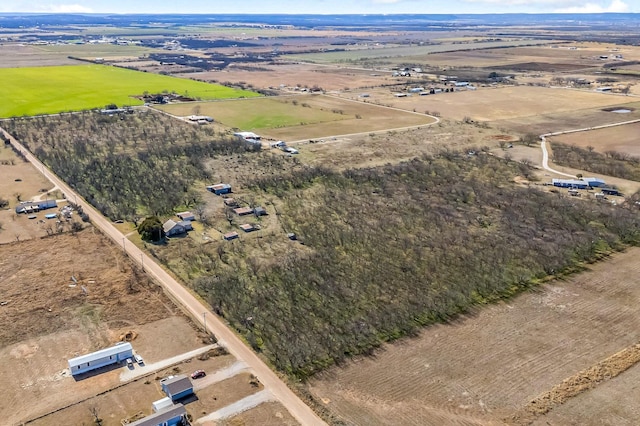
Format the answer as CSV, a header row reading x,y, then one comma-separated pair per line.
x,y
624,139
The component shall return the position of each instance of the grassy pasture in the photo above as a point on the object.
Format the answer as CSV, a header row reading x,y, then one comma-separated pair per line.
x,y
623,139
314,116
48,90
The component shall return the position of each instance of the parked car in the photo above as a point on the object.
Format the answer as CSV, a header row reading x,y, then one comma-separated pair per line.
x,y
129,363
138,359
198,374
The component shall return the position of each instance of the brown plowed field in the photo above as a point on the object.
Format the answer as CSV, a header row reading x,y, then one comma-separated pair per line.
x,y
485,367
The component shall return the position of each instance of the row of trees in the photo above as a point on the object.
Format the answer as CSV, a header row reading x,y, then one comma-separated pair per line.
x,y
391,249
609,163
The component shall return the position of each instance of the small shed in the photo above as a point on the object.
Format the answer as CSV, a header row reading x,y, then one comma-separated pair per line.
x,y
247,227
241,211
259,211
188,216
177,387
220,188
230,236
101,358
161,404
230,202
170,416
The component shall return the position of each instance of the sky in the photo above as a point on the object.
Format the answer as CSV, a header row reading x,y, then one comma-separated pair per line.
x,y
320,6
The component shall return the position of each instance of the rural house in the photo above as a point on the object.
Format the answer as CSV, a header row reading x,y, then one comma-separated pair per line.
x,y
170,416
220,188
172,227
101,358
177,387
35,206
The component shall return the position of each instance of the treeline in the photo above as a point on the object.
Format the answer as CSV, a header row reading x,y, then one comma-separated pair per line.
x,y
609,163
129,164
388,250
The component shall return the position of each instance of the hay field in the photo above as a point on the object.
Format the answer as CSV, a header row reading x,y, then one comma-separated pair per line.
x,y
503,103
48,90
314,116
625,139
483,368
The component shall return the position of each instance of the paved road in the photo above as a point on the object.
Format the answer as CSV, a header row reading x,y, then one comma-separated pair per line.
x,y
280,391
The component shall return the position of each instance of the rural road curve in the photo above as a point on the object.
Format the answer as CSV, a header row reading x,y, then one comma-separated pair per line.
x,y
545,152
280,391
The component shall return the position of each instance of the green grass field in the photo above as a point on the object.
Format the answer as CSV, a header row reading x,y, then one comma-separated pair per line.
x,y
49,90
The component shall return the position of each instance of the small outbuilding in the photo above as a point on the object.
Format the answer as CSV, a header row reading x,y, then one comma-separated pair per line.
x,y
161,404
247,227
101,358
241,211
220,188
188,216
231,202
170,416
259,211
177,387
230,236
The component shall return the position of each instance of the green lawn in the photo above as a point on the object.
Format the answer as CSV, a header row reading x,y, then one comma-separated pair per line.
x,y
48,90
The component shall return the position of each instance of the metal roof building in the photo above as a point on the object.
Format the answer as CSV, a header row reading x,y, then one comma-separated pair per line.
x,y
101,358
167,417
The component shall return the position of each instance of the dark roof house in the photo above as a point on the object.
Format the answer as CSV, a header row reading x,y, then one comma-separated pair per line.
x,y
177,387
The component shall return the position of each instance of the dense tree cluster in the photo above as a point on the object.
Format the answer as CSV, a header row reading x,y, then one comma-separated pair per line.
x,y
391,249
126,165
610,163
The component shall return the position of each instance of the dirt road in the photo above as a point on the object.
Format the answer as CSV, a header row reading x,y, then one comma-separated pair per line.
x,y
280,391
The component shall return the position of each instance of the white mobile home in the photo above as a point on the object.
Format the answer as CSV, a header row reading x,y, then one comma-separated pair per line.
x,y
101,358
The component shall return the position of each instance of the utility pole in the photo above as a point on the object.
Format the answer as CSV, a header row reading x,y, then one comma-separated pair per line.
x,y
204,320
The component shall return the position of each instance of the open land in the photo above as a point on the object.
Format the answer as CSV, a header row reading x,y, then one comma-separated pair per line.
x,y
304,117
624,139
48,90
502,103
398,222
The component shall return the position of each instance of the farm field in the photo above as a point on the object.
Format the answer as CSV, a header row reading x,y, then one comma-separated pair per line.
x,y
482,368
389,53
48,90
302,117
504,103
569,120
299,74
624,139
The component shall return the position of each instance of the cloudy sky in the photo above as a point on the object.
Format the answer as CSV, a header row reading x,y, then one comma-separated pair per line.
x,y
321,6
